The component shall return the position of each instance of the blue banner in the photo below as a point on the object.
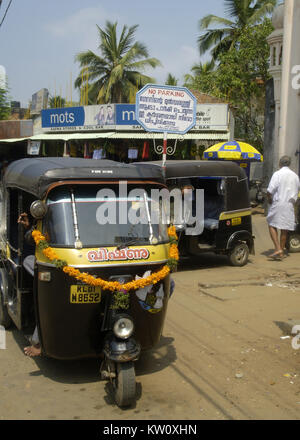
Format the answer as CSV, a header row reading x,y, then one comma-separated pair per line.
x,y
63,117
125,114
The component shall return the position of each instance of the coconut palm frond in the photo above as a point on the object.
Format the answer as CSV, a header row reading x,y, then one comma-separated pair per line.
x,y
139,79
212,38
262,10
208,20
144,64
203,68
171,80
237,8
224,46
127,38
243,13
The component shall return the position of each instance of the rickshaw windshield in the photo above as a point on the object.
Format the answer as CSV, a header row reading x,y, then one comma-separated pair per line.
x,y
98,216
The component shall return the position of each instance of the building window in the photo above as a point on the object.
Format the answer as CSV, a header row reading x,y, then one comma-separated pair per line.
x,y
274,57
280,56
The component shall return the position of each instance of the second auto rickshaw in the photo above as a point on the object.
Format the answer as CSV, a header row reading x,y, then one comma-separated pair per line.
x,y
226,213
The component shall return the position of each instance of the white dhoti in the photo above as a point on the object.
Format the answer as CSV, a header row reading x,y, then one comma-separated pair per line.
x,y
282,216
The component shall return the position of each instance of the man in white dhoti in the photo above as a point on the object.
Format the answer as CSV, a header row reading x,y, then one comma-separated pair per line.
x,y
282,195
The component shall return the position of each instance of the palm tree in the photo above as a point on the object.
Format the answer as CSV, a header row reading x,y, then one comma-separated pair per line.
x,y
56,102
221,39
171,80
115,75
203,68
200,71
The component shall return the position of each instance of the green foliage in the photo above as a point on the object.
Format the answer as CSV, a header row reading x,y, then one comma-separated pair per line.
x,y
56,102
226,35
121,300
115,75
171,80
240,79
4,104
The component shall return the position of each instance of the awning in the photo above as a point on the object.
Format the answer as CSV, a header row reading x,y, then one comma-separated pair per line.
x,y
59,137
120,135
68,136
13,140
187,136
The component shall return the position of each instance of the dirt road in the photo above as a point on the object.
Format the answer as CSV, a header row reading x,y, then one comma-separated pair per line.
x,y
221,355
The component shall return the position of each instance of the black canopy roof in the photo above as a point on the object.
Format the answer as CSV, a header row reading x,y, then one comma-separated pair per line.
x,y
176,169
35,175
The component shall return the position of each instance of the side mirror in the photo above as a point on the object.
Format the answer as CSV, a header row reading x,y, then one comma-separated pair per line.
x,y
38,209
180,228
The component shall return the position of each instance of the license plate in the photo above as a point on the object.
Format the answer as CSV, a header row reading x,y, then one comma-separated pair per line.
x,y
83,294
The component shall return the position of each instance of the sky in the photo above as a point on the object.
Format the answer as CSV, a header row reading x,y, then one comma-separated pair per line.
x,y
39,39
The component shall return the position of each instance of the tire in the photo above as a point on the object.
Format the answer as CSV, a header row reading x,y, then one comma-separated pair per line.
x,y
239,255
5,319
124,384
293,243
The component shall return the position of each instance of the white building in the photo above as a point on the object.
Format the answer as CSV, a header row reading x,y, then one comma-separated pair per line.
x,y
285,69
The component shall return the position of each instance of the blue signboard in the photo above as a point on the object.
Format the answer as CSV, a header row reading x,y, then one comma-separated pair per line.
x,y
125,114
63,117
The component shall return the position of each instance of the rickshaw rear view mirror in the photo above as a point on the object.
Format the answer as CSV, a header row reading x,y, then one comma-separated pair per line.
x,y
38,209
221,187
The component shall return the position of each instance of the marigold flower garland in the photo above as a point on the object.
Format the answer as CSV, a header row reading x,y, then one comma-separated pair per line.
x,y
113,286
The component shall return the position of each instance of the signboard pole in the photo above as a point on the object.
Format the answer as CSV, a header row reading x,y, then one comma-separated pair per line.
x,y
164,155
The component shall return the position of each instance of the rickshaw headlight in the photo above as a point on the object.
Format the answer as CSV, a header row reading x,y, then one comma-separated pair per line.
x,y
123,327
38,209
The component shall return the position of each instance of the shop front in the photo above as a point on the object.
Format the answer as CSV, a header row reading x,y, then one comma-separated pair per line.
x,y
111,131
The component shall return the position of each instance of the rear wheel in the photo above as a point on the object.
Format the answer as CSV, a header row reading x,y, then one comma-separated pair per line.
x,y
124,384
293,242
239,254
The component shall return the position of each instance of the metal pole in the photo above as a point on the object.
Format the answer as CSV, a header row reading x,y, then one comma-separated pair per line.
x,y
164,155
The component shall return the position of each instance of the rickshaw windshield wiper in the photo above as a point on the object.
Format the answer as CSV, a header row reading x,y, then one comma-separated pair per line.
x,y
148,218
77,244
133,240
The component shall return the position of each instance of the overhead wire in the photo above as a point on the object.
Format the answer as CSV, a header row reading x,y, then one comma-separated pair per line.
x,y
5,11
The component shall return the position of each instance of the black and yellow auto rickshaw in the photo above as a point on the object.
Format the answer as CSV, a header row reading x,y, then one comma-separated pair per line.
x,y
226,214
94,288
293,238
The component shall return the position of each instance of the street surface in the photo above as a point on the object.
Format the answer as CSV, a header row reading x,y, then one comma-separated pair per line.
x,y
221,356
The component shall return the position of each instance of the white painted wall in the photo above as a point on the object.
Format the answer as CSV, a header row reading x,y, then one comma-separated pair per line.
x,y
289,125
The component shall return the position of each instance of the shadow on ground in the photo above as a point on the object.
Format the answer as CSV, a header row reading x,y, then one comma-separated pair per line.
x,y
87,370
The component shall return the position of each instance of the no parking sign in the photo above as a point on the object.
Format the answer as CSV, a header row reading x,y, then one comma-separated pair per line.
x,y
166,109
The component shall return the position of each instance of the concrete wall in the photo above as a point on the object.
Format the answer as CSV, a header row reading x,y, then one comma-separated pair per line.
x,y
16,128
289,128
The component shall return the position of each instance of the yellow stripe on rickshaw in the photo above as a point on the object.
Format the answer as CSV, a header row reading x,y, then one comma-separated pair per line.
x,y
232,214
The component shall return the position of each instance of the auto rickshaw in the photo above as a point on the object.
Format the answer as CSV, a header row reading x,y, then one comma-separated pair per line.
x,y
293,239
95,288
227,225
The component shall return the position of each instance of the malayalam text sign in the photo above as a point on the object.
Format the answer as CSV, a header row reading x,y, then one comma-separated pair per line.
x,y
166,109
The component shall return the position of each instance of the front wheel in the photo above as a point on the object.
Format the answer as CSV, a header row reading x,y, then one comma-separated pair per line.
x,y
124,384
238,256
293,242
